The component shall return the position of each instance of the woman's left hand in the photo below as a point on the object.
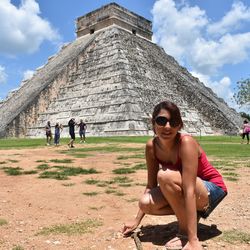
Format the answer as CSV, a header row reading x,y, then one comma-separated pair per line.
x,y
193,245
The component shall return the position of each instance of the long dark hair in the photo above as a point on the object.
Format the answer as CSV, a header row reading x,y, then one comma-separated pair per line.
x,y
172,109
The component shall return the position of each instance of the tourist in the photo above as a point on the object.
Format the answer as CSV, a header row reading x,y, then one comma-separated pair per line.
x,y
72,124
58,130
181,181
246,131
48,133
82,130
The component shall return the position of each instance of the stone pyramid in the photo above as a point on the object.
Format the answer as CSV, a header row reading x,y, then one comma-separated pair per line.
x,y
112,76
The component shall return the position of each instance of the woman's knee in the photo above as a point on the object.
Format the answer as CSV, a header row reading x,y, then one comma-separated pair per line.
x,y
170,181
165,177
145,204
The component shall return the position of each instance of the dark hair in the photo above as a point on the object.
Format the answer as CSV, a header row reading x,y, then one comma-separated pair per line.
x,y
171,108
246,121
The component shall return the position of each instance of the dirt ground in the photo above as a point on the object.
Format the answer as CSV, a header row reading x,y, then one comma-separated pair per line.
x,y
29,204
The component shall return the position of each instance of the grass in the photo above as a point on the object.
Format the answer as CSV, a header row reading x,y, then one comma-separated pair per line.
x,y
17,248
3,222
234,236
125,157
44,166
140,166
91,181
122,179
61,160
123,171
78,228
12,171
90,193
63,172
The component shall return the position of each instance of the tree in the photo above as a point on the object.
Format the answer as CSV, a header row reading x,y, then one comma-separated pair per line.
x,y
242,96
245,115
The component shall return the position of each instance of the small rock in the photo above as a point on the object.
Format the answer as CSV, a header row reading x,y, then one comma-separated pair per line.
x,y
56,242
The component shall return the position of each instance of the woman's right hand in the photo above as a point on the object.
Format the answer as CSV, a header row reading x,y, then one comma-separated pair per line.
x,y
129,227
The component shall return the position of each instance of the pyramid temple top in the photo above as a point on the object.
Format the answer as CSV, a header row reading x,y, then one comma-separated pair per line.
x,y
113,14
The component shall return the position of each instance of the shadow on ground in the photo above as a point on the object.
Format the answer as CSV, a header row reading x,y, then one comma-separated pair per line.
x,y
160,234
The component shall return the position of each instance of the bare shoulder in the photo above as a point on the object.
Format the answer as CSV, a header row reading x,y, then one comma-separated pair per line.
x,y
188,142
150,145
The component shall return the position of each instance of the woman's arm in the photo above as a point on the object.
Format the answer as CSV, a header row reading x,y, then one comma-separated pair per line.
x,y
189,154
152,168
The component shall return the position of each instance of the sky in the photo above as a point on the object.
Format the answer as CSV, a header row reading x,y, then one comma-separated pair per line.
x,y
210,38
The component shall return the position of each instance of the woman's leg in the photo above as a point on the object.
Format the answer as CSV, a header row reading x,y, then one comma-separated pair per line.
x,y
154,203
171,186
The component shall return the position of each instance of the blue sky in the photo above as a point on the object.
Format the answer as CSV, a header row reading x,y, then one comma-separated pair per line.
x,y
210,38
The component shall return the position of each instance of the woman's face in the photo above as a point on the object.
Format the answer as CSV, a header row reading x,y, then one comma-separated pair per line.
x,y
165,127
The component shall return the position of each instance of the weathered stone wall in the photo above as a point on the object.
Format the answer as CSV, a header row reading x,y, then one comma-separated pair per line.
x,y
113,14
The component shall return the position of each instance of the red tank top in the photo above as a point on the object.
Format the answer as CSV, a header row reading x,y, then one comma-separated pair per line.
x,y
205,170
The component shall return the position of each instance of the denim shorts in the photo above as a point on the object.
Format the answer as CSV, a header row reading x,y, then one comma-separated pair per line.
x,y
215,196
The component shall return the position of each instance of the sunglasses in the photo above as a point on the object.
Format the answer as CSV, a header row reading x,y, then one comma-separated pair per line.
x,y
162,121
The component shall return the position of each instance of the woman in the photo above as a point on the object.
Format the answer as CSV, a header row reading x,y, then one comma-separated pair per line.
x,y
181,181
58,130
246,131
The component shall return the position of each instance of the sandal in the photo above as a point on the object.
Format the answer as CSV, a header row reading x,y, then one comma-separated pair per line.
x,y
177,243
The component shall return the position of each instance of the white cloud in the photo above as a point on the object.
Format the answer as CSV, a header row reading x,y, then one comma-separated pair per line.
x,y
177,29
233,20
208,56
3,75
22,30
27,74
182,31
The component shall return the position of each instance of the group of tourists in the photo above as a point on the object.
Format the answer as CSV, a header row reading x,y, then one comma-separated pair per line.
x,y
58,129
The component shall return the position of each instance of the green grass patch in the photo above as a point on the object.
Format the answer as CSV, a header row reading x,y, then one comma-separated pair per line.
x,y
12,171
91,181
125,185
72,171
13,161
78,228
63,172
105,149
140,166
123,171
91,193
125,157
230,178
17,248
96,208
121,179
41,161
230,174
44,166
3,222
29,172
61,160
110,191
234,236
57,175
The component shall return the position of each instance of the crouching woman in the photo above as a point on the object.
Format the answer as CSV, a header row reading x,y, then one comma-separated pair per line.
x,y
181,181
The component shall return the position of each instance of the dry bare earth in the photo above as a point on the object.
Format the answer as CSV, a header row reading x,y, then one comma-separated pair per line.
x,y
30,204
